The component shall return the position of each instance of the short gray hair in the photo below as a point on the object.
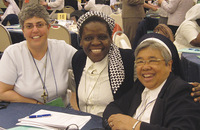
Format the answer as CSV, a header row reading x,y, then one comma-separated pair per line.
x,y
33,10
155,45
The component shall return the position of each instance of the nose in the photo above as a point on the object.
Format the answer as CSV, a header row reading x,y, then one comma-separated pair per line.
x,y
96,41
146,66
35,29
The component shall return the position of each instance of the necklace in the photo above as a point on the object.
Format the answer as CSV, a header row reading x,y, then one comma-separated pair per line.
x,y
90,93
45,91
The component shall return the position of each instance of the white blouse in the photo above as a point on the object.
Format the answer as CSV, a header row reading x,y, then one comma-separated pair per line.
x,y
94,90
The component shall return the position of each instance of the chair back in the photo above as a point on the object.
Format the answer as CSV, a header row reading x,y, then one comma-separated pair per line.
x,y
106,9
118,19
59,32
68,9
5,38
121,40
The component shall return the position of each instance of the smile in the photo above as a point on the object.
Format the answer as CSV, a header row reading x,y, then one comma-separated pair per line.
x,y
36,37
96,51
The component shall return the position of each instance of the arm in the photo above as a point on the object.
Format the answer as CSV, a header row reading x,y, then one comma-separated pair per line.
x,y
135,2
169,7
8,94
149,6
73,101
196,41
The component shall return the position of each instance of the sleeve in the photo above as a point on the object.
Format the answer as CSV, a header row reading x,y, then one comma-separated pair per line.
x,y
56,3
189,26
180,111
170,7
8,70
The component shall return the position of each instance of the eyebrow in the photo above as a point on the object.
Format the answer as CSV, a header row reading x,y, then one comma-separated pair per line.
x,y
36,22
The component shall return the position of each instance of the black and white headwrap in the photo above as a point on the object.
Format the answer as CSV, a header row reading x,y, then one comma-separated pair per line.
x,y
109,20
116,67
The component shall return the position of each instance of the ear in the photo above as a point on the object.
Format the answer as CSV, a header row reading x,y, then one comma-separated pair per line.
x,y
170,65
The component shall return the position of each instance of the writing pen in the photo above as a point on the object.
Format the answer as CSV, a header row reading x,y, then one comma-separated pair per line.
x,y
36,116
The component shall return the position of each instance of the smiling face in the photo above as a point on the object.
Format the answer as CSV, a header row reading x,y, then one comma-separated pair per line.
x,y
95,41
36,32
151,76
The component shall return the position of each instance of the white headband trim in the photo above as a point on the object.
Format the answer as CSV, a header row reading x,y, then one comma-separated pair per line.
x,y
159,41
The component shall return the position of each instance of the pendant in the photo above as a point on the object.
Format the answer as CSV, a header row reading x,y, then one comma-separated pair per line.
x,y
44,96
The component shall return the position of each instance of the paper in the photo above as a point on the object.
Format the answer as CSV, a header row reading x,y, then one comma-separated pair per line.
x,y
190,50
57,120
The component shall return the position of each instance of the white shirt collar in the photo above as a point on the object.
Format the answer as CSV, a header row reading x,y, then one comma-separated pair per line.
x,y
96,67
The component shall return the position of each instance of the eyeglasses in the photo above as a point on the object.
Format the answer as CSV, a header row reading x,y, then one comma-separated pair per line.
x,y
31,26
140,62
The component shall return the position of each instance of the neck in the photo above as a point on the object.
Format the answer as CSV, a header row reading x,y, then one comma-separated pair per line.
x,y
38,53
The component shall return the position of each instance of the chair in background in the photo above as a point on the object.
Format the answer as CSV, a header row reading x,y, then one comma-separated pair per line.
x,y
117,18
5,38
68,9
121,40
59,32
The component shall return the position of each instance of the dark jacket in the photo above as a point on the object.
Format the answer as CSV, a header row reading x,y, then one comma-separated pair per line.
x,y
174,108
79,61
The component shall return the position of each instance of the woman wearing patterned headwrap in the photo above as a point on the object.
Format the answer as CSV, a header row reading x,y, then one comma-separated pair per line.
x,y
102,71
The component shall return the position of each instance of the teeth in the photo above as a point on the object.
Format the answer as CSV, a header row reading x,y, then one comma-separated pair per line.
x,y
96,51
147,75
35,37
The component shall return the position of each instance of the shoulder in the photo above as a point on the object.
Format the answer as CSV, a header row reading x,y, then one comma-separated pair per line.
x,y
79,56
60,45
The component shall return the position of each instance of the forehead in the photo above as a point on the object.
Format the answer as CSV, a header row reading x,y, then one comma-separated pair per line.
x,y
149,52
34,20
95,26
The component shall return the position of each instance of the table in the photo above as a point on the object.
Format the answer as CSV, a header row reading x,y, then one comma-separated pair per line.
x,y
9,116
191,66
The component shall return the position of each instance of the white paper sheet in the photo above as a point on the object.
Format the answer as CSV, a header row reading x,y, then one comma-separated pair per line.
x,y
56,120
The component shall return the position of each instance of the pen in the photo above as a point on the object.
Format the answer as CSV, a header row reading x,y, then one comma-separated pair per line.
x,y
36,116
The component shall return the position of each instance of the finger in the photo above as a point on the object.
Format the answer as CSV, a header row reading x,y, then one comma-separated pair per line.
x,y
111,124
194,94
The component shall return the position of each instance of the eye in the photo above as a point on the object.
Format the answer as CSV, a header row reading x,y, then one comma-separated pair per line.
x,y
29,26
88,38
40,25
103,37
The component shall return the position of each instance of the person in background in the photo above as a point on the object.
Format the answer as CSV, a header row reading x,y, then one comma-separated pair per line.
x,y
102,71
34,71
188,34
53,4
176,10
159,99
132,14
12,8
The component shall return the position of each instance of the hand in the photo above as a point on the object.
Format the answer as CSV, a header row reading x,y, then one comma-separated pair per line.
x,y
160,2
43,3
196,91
120,121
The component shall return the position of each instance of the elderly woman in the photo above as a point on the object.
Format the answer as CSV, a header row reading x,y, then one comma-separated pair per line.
x,y
12,8
159,100
102,71
188,34
35,70
176,10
